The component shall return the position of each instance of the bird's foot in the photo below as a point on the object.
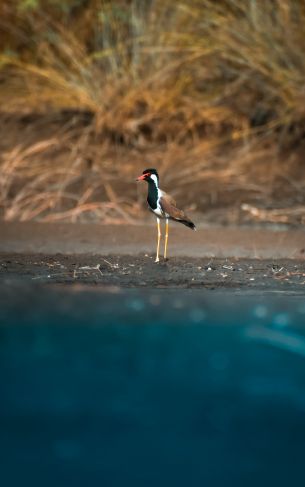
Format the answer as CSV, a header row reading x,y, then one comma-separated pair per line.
x,y
157,259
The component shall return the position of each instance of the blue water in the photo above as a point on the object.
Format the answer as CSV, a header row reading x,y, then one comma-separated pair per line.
x,y
151,388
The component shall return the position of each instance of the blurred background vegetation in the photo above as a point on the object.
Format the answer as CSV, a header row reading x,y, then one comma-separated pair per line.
x,y
211,93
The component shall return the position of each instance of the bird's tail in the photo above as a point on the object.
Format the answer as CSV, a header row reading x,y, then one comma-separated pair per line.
x,y
189,224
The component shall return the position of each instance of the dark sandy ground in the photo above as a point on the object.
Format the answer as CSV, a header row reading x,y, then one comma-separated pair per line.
x,y
128,271
212,258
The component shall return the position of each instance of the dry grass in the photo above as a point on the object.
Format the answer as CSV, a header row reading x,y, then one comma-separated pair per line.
x,y
56,179
215,89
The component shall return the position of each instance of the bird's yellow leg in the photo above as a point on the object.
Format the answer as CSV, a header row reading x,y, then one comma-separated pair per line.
x,y
159,237
166,238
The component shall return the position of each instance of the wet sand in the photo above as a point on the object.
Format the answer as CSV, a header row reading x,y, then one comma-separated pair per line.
x,y
208,241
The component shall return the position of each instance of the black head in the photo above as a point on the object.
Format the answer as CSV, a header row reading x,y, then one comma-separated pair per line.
x,y
148,175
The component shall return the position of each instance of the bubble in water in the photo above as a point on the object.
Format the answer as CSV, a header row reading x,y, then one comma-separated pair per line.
x,y
281,320
136,304
155,300
178,304
260,311
301,308
197,315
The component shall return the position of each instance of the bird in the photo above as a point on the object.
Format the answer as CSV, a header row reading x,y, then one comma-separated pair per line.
x,y
163,206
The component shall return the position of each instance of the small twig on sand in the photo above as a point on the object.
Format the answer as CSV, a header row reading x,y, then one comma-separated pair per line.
x,y
90,268
113,266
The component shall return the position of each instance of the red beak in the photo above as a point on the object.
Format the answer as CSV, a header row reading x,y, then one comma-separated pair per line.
x,y
142,177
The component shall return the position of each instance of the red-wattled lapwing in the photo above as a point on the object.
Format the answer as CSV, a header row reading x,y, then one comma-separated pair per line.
x,y
163,206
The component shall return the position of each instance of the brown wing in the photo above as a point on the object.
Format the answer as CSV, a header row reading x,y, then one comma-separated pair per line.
x,y
168,197
168,205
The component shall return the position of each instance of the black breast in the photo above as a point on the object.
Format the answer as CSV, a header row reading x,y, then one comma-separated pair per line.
x,y
152,197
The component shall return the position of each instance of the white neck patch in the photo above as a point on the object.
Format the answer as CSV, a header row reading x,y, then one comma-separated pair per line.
x,y
155,179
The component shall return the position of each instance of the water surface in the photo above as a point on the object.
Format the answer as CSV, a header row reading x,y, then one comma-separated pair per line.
x,y
151,387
